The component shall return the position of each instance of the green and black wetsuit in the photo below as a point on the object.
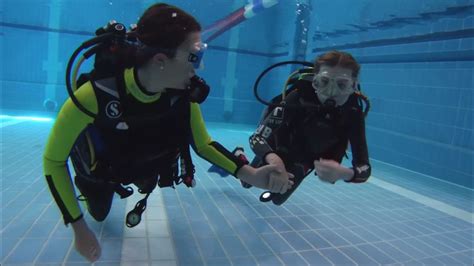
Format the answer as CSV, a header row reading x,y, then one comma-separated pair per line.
x,y
130,149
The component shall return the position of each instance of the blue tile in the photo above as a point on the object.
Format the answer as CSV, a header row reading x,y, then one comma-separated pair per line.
x,y
278,224
244,261
454,243
315,239
202,229
62,231
256,245
408,230
342,220
349,236
296,210
462,238
264,211
447,260
56,250
429,248
357,256
417,225
314,257
26,251
247,211
365,234
180,228
312,222
210,247
112,229
218,261
393,252
408,249
194,214
191,262
430,261
7,245
375,254
243,229
16,229
281,211
260,225
381,232
175,213
296,241
221,227
336,257
292,259
269,260
187,250
328,221
276,243
233,246
231,214
395,230
464,257
296,223
332,238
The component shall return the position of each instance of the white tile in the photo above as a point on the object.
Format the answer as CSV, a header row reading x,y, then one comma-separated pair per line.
x,y
158,229
161,248
135,249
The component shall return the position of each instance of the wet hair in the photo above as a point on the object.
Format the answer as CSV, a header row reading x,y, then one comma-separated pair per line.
x,y
161,29
165,26
337,58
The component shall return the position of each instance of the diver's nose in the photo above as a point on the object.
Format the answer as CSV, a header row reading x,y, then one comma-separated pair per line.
x,y
332,91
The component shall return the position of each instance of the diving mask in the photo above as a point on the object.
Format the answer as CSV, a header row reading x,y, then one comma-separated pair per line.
x,y
196,57
334,85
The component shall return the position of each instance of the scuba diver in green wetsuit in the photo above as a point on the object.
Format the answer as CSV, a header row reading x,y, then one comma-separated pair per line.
x,y
132,120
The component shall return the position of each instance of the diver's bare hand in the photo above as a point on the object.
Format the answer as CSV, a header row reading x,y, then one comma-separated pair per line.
x,y
266,177
85,241
280,181
328,170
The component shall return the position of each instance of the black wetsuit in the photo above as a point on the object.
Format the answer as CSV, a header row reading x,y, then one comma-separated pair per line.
x,y
301,135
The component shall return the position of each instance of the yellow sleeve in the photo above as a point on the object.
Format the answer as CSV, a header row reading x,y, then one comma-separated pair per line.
x,y
68,125
208,149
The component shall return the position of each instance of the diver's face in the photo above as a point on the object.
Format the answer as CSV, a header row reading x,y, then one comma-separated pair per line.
x,y
180,69
334,84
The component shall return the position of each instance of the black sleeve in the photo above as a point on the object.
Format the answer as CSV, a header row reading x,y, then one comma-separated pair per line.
x,y
360,154
273,129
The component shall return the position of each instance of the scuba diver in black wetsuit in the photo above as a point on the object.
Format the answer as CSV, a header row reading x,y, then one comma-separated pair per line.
x,y
132,120
312,126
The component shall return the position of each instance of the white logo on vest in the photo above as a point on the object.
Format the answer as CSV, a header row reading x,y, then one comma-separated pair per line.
x,y
113,109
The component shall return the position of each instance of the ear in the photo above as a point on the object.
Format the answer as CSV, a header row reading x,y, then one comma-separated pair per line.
x,y
160,58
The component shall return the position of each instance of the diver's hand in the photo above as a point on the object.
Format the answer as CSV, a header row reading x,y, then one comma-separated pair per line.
x,y
267,177
331,171
279,177
280,181
85,241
